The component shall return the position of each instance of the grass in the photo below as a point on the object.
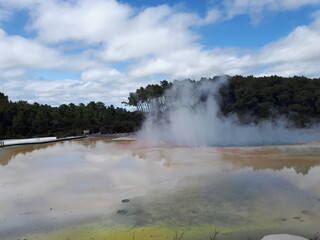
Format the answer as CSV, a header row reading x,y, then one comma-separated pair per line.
x,y
178,236
316,237
155,232
214,235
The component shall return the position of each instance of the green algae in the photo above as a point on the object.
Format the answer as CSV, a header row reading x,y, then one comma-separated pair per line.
x,y
148,232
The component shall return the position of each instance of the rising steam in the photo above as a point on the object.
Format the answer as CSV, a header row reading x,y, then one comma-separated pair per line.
x,y
190,117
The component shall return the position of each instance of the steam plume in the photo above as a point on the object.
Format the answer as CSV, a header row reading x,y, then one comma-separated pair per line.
x,y
190,117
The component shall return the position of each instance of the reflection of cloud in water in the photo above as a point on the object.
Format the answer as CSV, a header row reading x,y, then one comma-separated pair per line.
x,y
85,180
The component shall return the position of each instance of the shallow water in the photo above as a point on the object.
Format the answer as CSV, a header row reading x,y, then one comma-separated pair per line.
x,y
55,191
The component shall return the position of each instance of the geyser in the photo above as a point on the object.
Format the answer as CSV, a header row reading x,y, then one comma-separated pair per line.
x,y
190,117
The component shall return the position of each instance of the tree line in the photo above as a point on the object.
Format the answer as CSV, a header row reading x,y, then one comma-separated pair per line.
x,y
254,99
251,99
153,95
21,119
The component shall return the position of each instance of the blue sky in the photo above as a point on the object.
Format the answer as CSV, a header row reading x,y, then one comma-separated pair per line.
x,y
62,51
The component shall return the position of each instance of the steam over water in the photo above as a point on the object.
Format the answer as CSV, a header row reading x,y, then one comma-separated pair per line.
x,y
191,118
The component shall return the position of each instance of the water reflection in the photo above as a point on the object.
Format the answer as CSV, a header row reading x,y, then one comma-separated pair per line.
x,y
301,158
48,187
9,153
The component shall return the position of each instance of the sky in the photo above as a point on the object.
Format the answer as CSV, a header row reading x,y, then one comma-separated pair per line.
x,y
61,51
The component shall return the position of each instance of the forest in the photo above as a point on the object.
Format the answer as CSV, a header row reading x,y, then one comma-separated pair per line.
x,y
255,99
251,99
21,119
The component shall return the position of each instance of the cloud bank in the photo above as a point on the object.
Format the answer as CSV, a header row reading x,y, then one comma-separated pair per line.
x,y
114,47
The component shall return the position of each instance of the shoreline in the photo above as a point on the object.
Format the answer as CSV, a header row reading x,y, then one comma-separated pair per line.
x,y
42,140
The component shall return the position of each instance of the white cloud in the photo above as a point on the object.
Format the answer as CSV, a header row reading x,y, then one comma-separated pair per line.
x,y
85,20
213,15
102,75
255,8
91,36
12,73
124,32
16,51
25,54
19,4
296,54
193,63
300,46
108,86
55,92
4,15
156,31
19,52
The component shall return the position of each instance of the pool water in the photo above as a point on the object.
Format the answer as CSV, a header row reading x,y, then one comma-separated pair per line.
x,y
108,189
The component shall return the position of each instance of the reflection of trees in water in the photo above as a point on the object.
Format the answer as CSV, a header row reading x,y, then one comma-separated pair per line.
x,y
9,153
301,161
300,164
91,142
88,142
